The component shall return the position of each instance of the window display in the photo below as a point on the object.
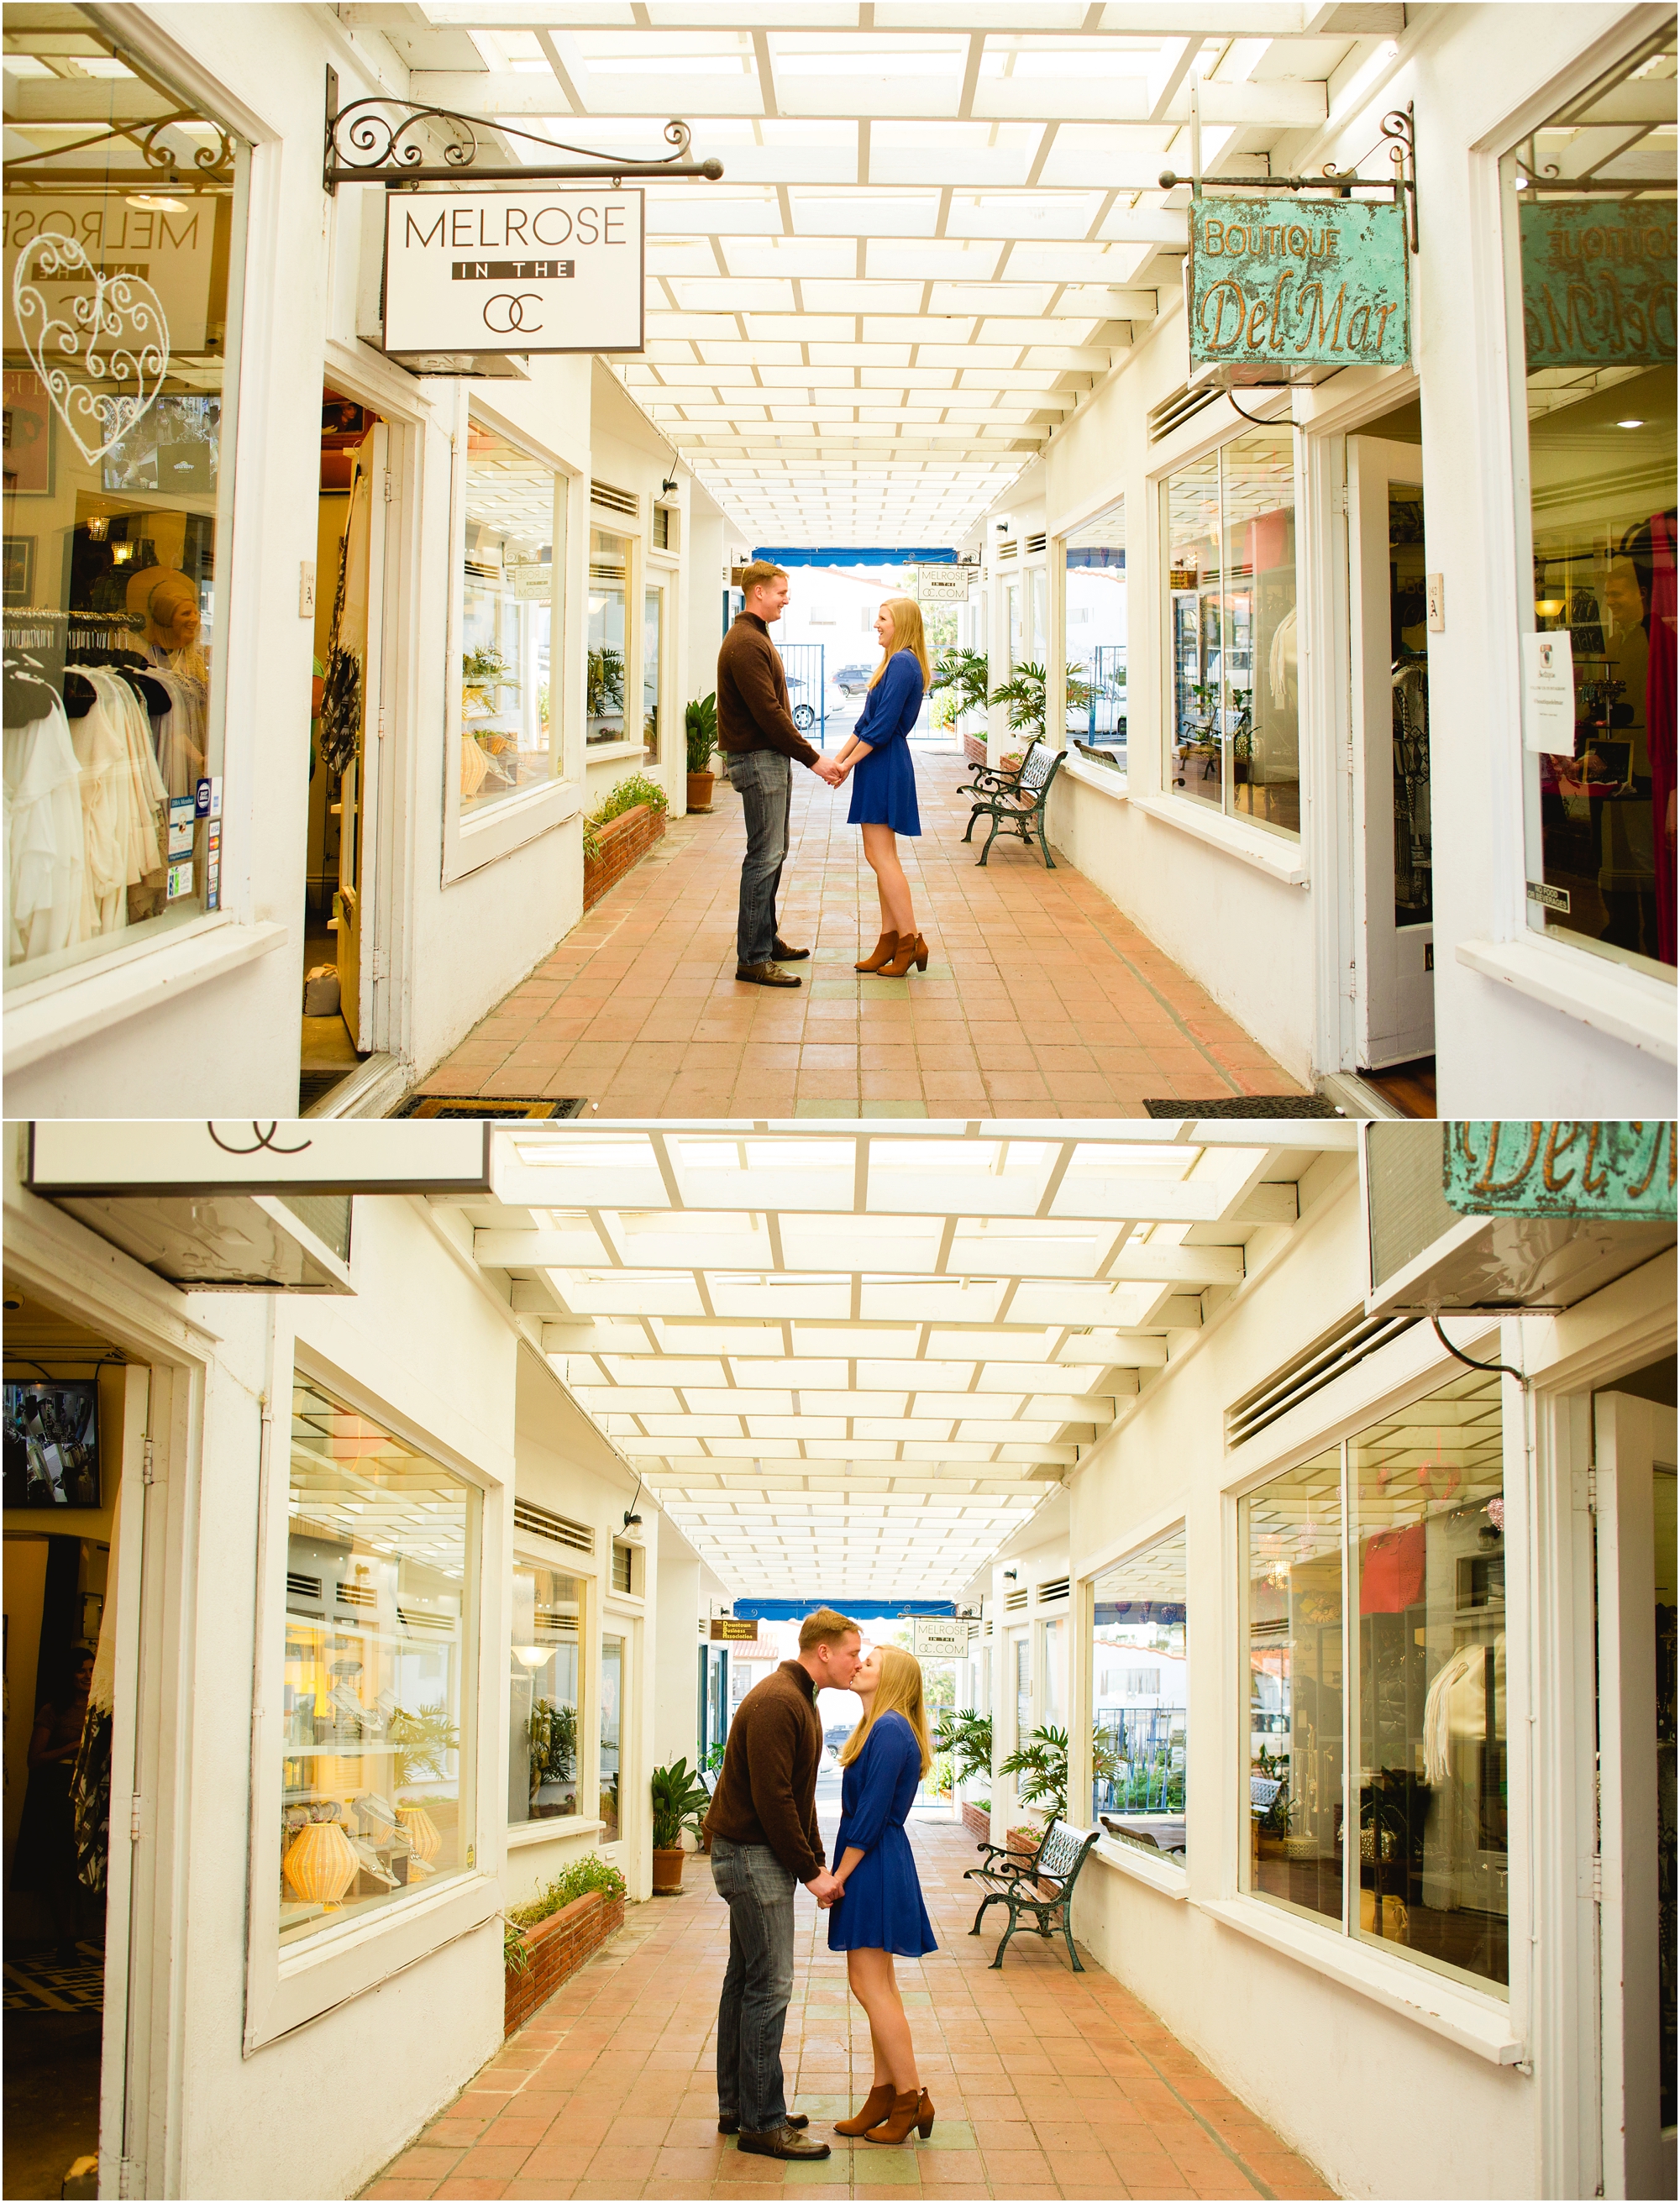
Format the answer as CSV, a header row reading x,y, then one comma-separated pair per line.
x,y
512,607
609,598
1424,1793
1141,1699
119,377
1231,739
545,1699
381,1562
1595,229
612,1733
1094,615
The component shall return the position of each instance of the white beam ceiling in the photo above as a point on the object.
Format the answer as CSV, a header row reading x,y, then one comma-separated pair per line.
x,y
852,1360
940,225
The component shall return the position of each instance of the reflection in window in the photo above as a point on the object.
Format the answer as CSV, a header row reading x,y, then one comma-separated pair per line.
x,y
603,699
1598,330
1425,1799
653,643
1141,1699
542,1766
612,1733
377,1706
117,503
513,585
1094,609
1230,524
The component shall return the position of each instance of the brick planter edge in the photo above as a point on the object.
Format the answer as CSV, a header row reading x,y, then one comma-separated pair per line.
x,y
973,748
979,1824
556,1948
623,841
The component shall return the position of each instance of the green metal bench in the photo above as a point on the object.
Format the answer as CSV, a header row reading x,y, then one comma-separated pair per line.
x,y
1022,806
990,779
998,1858
1046,1911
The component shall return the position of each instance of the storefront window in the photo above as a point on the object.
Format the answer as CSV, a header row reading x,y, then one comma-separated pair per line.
x,y
513,606
543,1771
609,584
1056,1672
1023,1652
120,379
1141,1699
1425,1795
1094,631
1038,583
1595,223
612,1733
377,1712
1016,640
1229,522
652,659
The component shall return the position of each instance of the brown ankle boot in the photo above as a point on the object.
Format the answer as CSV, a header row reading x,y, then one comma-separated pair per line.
x,y
912,949
885,950
878,2102
910,2110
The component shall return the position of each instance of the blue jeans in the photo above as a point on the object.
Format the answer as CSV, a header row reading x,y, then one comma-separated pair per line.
x,y
753,2010
764,781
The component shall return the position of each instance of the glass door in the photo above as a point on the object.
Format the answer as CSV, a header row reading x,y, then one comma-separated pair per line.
x,y
612,1733
1393,931
653,671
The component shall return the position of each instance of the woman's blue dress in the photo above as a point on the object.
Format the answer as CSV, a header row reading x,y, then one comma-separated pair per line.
x,y
882,1909
883,784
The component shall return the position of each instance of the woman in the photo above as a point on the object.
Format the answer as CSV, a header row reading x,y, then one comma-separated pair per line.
x,y
881,1911
883,793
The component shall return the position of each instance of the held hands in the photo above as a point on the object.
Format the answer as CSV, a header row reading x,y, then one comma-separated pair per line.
x,y
829,772
827,1888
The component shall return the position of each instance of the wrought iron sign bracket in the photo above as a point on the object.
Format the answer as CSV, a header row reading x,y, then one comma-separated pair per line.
x,y
1396,125
365,144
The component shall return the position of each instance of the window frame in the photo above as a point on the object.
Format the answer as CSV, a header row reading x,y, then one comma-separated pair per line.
x,y
1498,2027
476,838
525,1555
629,528
1165,1876
285,1988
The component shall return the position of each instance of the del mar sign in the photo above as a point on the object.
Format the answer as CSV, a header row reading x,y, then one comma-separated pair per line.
x,y
513,271
1285,289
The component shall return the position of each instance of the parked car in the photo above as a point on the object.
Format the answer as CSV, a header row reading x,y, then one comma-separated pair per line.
x,y
852,678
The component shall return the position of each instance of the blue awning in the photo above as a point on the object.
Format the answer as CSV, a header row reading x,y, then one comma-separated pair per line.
x,y
861,1610
877,555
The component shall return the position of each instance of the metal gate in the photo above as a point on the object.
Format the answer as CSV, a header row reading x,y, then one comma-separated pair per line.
x,y
807,688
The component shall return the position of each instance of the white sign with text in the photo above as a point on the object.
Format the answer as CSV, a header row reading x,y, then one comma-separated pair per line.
x,y
513,271
938,1637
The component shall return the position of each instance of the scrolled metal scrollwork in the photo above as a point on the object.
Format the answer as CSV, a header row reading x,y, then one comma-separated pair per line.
x,y
361,137
377,140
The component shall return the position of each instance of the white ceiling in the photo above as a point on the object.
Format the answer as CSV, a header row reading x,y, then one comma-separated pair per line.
x,y
851,1361
939,222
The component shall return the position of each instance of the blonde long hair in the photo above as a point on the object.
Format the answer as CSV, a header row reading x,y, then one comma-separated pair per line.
x,y
906,634
898,1691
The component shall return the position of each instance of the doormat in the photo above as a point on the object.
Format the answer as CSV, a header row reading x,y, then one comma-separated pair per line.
x,y
1247,1105
494,1111
39,1981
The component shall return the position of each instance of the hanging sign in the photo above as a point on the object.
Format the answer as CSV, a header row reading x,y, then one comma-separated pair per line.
x,y
182,1155
477,272
726,1632
937,1639
941,585
1598,283
1601,1167
1284,289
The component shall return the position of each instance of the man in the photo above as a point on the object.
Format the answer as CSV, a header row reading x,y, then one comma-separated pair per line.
x,y
765,1838
759,741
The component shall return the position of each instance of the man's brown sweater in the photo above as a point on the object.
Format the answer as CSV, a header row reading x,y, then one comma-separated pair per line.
x,y
753,711
767,1792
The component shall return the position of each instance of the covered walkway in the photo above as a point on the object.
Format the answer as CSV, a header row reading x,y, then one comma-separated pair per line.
x,y
1046,2083
1041,998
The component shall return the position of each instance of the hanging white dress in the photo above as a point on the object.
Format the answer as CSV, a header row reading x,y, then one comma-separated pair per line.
x,y
101,751
43,837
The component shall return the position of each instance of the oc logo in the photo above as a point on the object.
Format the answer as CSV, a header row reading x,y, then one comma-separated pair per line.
x,y
504,311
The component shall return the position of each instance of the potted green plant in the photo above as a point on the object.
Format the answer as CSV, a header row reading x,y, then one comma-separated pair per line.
x,y
700,729
680,1801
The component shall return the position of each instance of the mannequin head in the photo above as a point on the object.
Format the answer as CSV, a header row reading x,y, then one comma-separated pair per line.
x,y
169,604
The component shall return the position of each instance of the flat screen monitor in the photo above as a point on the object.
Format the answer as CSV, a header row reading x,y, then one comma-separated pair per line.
x,y
51,1442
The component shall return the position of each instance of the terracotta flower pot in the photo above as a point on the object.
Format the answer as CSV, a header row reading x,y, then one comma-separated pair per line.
x,y
668,1873
700,785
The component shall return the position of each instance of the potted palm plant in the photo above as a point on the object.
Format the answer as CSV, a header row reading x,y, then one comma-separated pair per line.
x,y
700,729
680,1800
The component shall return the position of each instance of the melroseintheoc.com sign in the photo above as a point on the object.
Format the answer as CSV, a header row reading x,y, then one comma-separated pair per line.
x,y
513,271
1285,289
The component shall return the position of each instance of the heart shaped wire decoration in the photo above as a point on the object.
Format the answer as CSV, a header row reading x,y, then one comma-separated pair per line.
x,y
117,334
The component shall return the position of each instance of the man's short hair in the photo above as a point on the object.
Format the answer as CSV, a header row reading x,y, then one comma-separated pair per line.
x,y
760,571
825,1627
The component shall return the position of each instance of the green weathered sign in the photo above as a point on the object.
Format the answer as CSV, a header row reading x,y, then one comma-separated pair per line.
x,y
1282,284
1606,1167
1598,283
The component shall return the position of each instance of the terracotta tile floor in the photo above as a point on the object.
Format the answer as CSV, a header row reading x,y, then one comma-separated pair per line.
x,y
1045,2083
1040,999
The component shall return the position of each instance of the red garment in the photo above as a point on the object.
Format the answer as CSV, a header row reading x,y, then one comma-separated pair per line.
x,y
1660,724
1391,1578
